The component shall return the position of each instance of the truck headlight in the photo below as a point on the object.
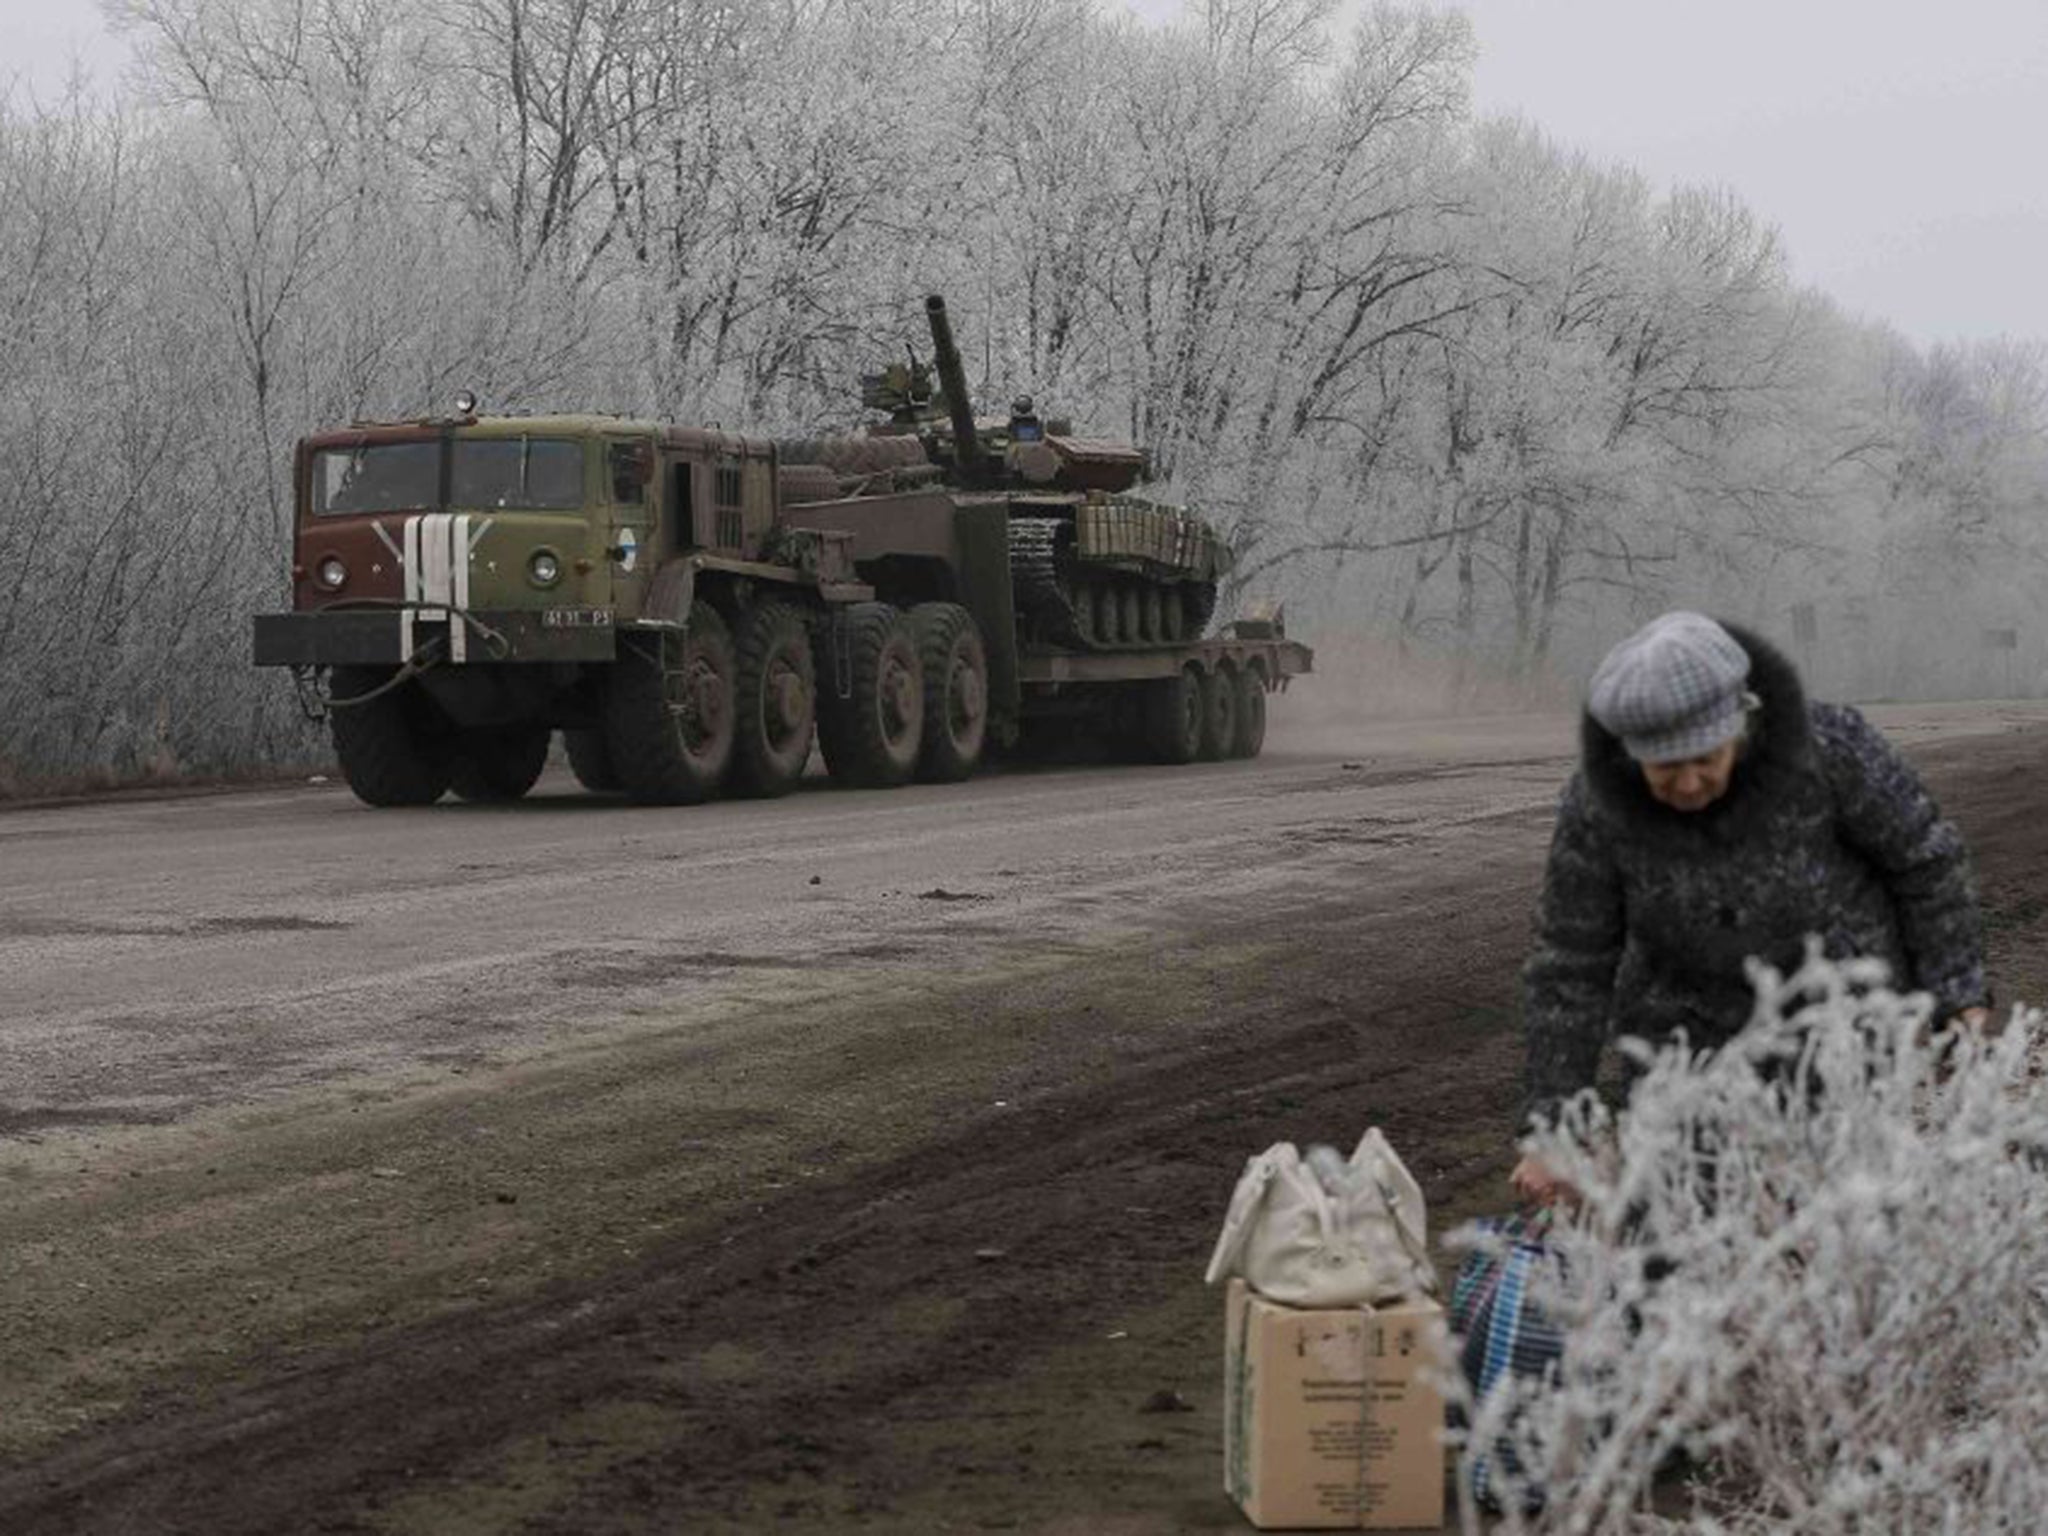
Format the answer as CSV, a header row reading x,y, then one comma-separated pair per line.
x,y
331,573
544,569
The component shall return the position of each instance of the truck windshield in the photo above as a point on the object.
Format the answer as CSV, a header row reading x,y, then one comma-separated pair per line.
x,y
376,477
520,472
529,473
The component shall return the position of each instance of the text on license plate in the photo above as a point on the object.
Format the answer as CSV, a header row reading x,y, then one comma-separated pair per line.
x,y
575,618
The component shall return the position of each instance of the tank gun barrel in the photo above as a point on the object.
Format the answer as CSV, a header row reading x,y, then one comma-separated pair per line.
x,y
953,381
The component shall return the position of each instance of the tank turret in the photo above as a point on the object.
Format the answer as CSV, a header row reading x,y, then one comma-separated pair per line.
x,y
1094,566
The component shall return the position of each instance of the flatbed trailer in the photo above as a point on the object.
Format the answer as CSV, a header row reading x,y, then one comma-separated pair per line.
x,y
1277,660
1203,699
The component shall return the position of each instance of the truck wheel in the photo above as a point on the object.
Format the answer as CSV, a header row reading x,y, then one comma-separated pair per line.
x,y
498,765
590,759
1251,713
776,688
387,753
871,739
955,667
668,712
1173,717
1219,714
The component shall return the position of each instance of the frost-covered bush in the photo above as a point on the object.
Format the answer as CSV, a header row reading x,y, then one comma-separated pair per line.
x,y
1814,1265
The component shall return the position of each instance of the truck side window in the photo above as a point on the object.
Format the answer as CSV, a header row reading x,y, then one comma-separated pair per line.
x,y
628,462
725,496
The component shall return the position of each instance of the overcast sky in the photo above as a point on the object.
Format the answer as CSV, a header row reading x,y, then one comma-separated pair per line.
x,y
1897,143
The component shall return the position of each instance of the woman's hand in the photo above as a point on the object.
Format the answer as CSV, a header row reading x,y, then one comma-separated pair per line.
x,y
1535,1183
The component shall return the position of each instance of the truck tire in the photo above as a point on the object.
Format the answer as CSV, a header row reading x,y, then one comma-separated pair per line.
x,y
498,765
1219,714
388,754
871,740
668,712
776,696
1251,713
1173,717
955,667
590,759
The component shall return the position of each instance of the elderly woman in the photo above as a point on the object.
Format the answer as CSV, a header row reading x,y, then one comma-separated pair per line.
x,y
1716,815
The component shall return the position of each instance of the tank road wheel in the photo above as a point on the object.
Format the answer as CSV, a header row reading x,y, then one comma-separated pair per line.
x,y
1172,616
668,712
955,667
1084,614
1173,717
499,764
1251,713
871,739
1219,714
1107,612
387,752
590,759
777,690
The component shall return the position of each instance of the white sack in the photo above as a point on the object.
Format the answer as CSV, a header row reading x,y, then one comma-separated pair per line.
x,y
1355,1237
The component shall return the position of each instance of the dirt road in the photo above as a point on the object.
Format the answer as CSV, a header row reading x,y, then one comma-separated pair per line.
x,y
845,1162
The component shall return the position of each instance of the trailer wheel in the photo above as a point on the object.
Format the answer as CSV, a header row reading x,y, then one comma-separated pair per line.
x,y
777,690
499,765
1173,717
388,753
668,711
1251,713
590,759
955,667
871,739
1219,713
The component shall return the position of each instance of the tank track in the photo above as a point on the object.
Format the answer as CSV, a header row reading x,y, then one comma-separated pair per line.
x,y
1113,611
1045,606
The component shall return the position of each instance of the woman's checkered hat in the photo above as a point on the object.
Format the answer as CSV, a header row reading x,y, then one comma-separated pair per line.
x,y
1673,689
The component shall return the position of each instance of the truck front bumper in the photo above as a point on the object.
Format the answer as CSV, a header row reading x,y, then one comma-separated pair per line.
x,y
372,637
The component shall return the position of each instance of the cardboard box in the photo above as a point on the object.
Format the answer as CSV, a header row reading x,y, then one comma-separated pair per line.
x,y
1332,1419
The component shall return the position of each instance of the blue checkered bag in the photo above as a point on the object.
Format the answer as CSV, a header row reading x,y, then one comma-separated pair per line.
x,y
1502,1332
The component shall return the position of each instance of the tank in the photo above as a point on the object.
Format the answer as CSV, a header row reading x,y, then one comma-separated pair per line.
x,y
1094,566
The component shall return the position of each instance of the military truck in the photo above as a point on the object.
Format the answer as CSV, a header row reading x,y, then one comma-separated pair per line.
x,y
693,607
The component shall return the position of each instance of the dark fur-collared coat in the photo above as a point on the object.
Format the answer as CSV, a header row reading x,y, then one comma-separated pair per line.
x,y
1649,913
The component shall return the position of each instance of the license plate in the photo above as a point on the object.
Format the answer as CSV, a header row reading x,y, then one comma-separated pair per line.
x,y
575,618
